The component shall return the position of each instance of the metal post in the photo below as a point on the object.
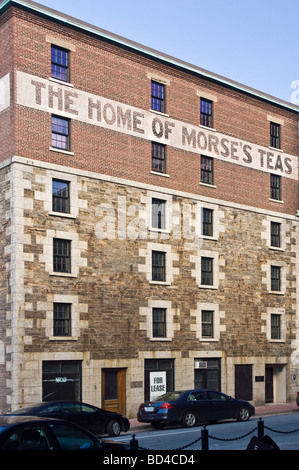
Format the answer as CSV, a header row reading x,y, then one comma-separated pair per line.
x,y
260,428
204,439
133,443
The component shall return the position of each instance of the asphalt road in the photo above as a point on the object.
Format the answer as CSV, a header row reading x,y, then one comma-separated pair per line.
x,y
283,429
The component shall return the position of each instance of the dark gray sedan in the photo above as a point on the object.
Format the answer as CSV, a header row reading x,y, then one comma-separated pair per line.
x,y
192,407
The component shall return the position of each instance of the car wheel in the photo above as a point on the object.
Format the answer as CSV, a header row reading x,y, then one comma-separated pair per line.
x,y
113,428
189,419
157,425
244,414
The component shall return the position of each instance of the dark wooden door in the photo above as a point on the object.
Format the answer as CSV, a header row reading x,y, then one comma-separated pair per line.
x,y
243,382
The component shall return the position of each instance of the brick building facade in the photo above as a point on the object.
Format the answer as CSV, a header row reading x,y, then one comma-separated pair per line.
x,y
148,222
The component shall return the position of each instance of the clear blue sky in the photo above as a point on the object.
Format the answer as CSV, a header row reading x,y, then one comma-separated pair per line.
x,y
254,42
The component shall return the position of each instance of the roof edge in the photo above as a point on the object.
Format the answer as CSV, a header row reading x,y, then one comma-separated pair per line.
x,y
74,22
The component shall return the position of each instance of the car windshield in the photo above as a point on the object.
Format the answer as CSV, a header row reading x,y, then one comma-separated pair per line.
x,y
169,396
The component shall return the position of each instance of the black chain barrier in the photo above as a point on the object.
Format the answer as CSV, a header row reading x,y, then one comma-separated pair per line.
x,y
205,436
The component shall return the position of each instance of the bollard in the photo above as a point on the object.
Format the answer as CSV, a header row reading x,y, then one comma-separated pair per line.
x,y
204,439
133,443
260,429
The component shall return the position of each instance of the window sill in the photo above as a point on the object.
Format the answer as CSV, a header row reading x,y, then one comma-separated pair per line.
x,y
207,128
160,283
276,149
53,273
62,214
208,185
63,338
276,200
276,248
157,173
66,152
159,113
204,286
61,82
161,339
276,292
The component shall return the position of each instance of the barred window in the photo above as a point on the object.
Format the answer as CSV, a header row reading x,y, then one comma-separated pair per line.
x,y
276,278
158,213
275,135
275,326
159,322
207,323
61,255
207,222
206,170
60,63
158,157
158,97
275,234
207,271
158,266
275,183
60,133
61,196
62,319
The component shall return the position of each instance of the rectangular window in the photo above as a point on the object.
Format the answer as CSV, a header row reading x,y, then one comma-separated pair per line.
x,y
206,170
159,322
60,63
62,319
275,182
158,157
207,222
61,255
275,135
207,323
275,326
158,266
61,196
206,112
275,234
158,213
207,271
60,133
158,97
276,278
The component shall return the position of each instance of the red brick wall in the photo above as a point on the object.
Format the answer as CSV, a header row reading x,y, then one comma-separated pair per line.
x,y
107,70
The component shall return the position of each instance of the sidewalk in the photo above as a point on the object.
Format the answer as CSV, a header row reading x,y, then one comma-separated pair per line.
x,y
261,411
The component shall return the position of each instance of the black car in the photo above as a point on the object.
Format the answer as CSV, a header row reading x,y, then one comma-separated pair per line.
x,y
36,433
192,407
95,420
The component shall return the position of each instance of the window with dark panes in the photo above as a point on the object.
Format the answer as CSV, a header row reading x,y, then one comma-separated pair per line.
x,y
60,196
275,183
206,170
275,234
61,255
60,63
276,278
207,323
159,322
158,97
206,112
275,135
158,213
207,271
60,133
158,157
158,266
62,319
207,222
275,326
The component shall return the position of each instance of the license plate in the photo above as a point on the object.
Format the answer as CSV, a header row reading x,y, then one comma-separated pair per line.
x,y
149,409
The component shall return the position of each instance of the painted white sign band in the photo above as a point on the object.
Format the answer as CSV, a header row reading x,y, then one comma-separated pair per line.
x,y
4,92
57,98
